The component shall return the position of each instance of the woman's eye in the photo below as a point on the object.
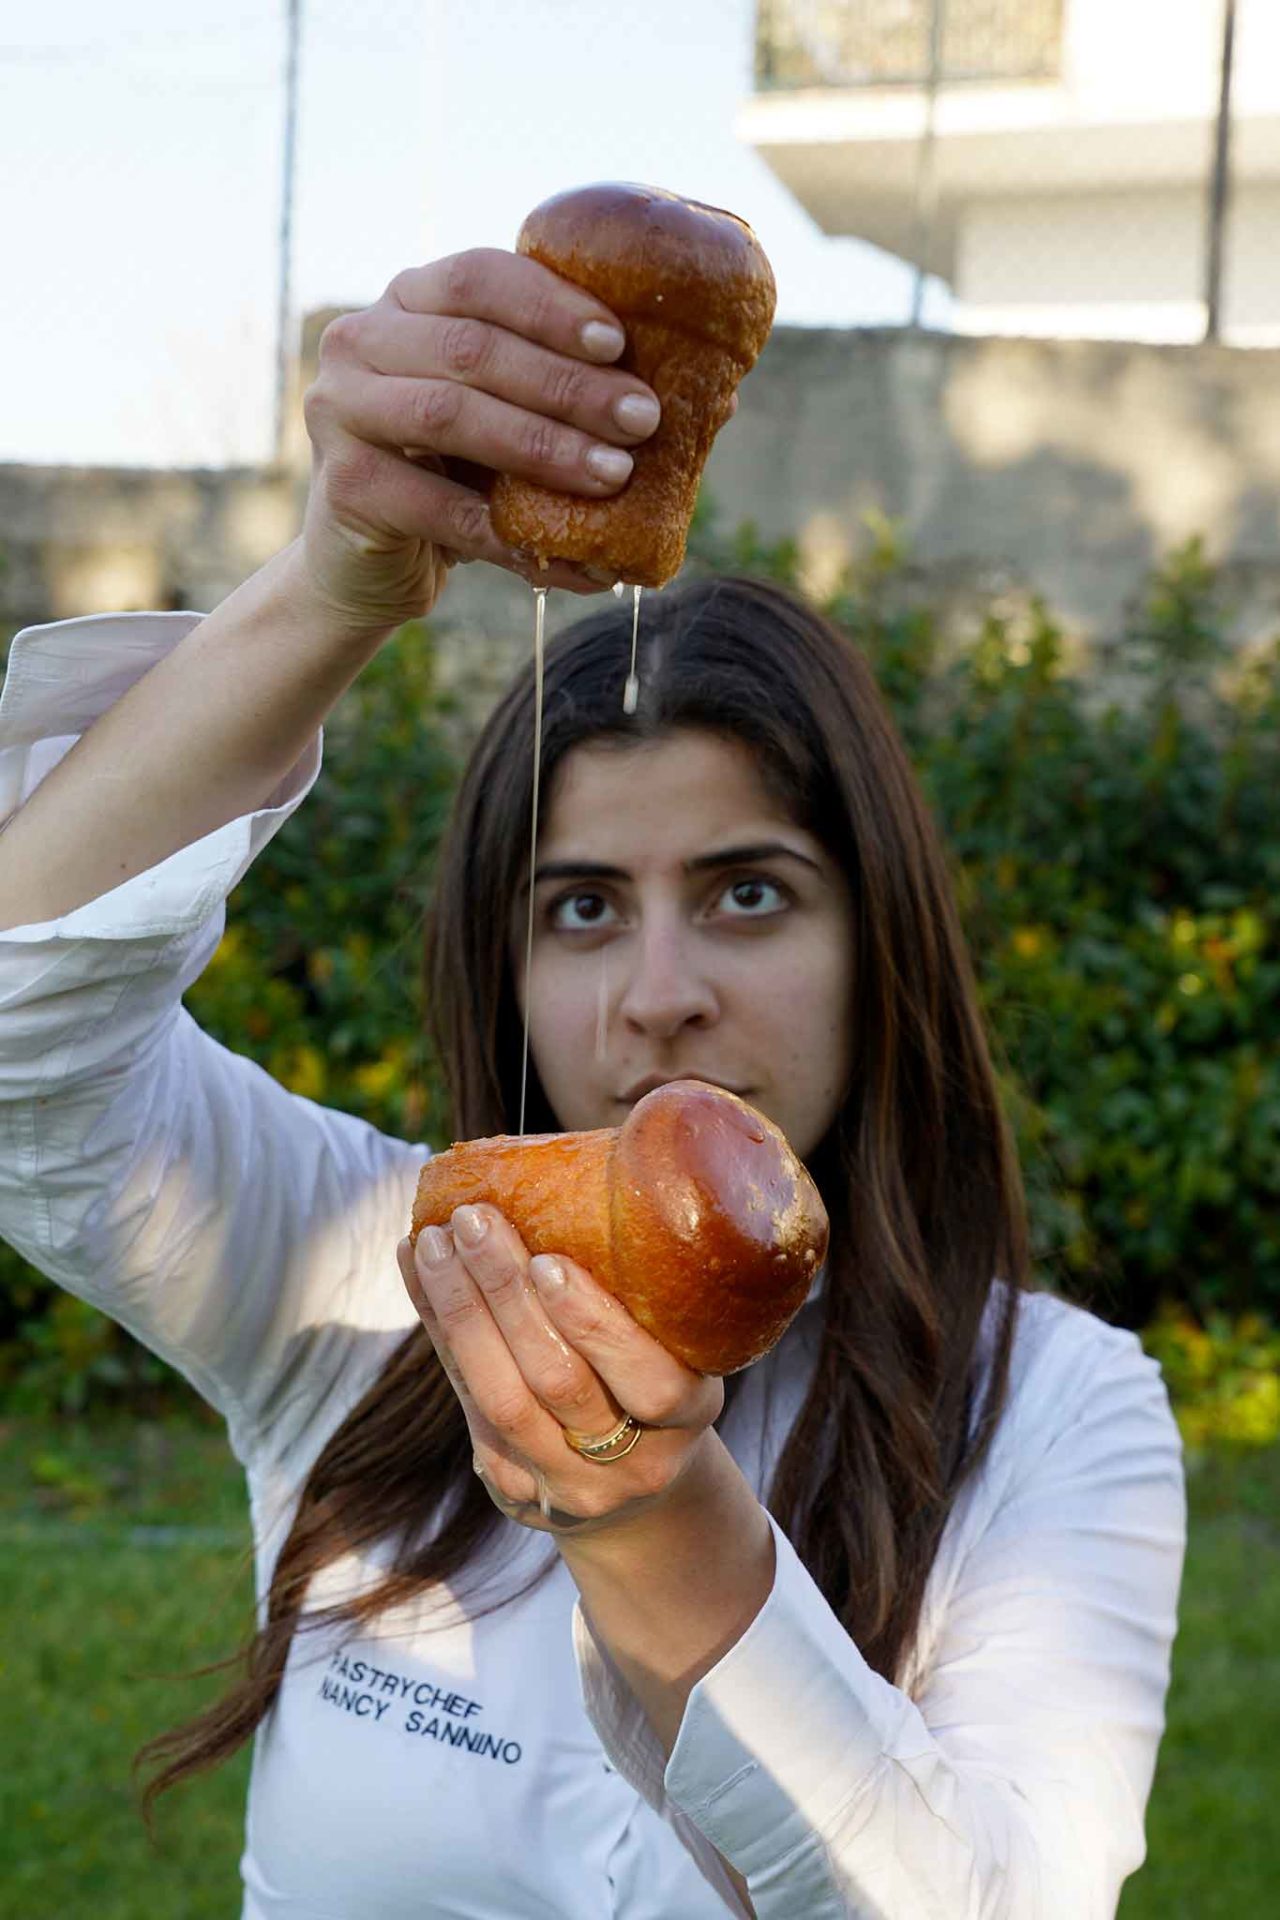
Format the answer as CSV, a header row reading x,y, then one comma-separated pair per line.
x,y
751,899
574,912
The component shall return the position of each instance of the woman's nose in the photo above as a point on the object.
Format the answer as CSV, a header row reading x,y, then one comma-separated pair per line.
x,y
666,988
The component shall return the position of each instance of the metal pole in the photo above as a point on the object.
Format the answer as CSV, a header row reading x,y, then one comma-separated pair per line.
x,y
284,326
927,177
1220,181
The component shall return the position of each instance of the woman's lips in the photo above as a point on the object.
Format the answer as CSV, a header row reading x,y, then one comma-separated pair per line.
x,y
653,1080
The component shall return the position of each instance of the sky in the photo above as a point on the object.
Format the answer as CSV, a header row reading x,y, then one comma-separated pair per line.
x,y
141,149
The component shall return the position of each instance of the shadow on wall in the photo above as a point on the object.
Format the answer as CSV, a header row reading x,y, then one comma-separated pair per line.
x,y
1066,467
109,540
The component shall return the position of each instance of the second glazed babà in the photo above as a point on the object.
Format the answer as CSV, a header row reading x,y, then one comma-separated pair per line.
x,y
695,1213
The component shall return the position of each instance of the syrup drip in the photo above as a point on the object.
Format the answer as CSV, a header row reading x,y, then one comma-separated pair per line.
x,y
630,695
540,610
602,1006
631,692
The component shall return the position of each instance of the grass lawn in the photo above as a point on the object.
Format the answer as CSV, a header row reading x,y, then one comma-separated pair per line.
x,y
1213,1839
101,1604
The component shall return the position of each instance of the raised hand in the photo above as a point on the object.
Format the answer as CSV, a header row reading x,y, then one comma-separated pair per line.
x,y
480,363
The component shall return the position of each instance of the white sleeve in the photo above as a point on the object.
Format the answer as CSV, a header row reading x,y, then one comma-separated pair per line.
x,y
1013,1785
245,1234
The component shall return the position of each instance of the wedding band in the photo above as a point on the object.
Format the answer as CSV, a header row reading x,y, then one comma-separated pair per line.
x,y
606,1447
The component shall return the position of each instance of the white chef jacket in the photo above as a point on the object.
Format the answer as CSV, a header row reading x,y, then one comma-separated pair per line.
x,y
449,1761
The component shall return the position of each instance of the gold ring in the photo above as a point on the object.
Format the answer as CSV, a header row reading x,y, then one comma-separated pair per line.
x,y
606,1447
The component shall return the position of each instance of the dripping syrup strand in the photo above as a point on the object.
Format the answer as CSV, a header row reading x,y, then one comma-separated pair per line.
x,y
631,692
540,608
602,1007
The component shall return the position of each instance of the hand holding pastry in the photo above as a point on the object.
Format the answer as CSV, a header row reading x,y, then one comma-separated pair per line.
x,y
557,1381
477,364
694,1213
706,1233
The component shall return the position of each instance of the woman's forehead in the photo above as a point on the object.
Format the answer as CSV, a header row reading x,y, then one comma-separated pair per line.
x,y
680,791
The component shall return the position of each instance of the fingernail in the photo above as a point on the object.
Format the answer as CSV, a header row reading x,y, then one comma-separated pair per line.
x,y
547,1274
470,1225
601,340
434,1246
637,412
610,463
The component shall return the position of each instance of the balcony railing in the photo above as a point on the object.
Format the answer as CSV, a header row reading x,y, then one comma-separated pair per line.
x,y
883,43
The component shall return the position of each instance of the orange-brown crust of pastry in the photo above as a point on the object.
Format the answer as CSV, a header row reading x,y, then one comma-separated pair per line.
x,y
695,294
695,1214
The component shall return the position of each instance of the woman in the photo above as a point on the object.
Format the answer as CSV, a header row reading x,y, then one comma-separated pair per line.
x,y
495,1676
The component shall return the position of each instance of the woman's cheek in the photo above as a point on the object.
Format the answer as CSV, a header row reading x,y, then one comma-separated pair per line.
x,y
564,1040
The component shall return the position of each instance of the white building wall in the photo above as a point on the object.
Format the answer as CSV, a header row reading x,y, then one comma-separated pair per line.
x,y
1252,269
1074,207
1140,58
1129,262
1136,58
1116,266
1096,266
1256,79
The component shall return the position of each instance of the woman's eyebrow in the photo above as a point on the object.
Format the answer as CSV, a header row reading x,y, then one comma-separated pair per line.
x,y
738,856
577,870
747,855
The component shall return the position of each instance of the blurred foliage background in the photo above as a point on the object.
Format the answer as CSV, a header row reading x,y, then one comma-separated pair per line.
x,y
1116,848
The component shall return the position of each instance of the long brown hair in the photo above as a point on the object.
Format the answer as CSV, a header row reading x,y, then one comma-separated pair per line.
x,y
917,1171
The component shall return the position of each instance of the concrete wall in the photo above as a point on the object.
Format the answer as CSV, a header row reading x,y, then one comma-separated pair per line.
x,y
106,539
1065,469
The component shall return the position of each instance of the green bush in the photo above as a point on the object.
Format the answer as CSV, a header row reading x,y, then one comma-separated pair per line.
x,y
1224,1376
1117,863
1118,870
